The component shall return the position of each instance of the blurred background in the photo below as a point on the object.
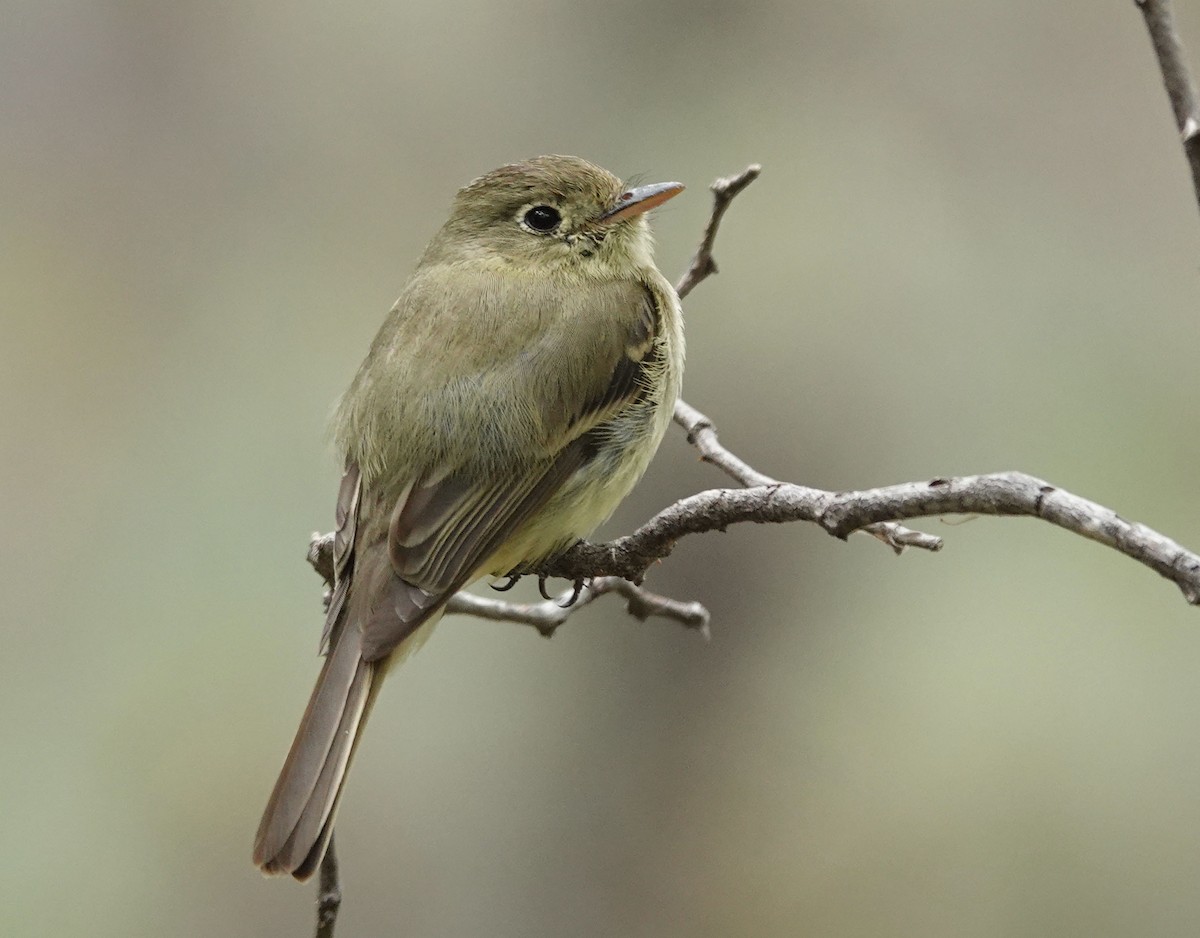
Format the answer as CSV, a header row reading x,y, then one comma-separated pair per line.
x,y
974,247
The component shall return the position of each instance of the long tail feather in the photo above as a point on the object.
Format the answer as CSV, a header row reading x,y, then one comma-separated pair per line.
x,y
298,818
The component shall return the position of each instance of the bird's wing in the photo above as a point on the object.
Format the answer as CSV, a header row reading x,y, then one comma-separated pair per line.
x,y
608,376
442,530
439,537
346,517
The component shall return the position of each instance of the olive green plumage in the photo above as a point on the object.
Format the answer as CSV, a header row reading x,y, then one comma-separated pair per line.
x,y
512,398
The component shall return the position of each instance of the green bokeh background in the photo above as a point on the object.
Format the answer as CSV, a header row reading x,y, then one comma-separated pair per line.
x,y
974,247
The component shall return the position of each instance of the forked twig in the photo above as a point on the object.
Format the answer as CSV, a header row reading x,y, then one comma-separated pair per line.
x,y
724,191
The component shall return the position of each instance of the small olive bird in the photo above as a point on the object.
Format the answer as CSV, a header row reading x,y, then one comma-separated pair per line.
x,y
514,395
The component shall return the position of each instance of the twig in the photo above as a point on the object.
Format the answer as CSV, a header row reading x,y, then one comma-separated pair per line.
x,y
842,513
1181,87
703,435
724,191
547,616
329,893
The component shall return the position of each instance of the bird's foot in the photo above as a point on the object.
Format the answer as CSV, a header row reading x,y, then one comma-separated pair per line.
x,y
512,579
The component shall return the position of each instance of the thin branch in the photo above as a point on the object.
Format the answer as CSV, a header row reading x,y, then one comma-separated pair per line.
x,y
329,893
703,435
724,191
1181,87
842,513
547,616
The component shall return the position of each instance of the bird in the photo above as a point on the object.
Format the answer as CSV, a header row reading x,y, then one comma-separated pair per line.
x,y
513,396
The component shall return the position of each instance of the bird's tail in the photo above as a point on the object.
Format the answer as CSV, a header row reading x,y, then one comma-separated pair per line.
x,y
298,820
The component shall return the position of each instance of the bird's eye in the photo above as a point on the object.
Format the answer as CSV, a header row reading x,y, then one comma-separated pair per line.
x,y
543,218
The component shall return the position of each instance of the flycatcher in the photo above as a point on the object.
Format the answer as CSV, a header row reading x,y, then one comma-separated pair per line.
x,y
514,395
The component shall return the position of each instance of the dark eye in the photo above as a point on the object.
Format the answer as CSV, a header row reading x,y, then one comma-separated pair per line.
x,y
542,218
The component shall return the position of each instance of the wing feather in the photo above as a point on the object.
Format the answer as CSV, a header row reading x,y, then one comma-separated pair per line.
x,y
477,519
346,516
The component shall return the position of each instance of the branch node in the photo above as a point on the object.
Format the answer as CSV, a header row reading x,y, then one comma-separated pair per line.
x,y
899,538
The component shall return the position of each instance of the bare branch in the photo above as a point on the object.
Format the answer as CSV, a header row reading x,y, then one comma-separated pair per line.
x,y
547,616
724,191
1181,87
703,435
842,513
329,893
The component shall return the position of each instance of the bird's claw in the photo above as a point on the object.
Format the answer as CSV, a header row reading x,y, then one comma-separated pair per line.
x,y
505,587
576,590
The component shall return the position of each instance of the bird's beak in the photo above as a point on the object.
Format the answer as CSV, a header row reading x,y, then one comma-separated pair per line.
x,y
633,202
